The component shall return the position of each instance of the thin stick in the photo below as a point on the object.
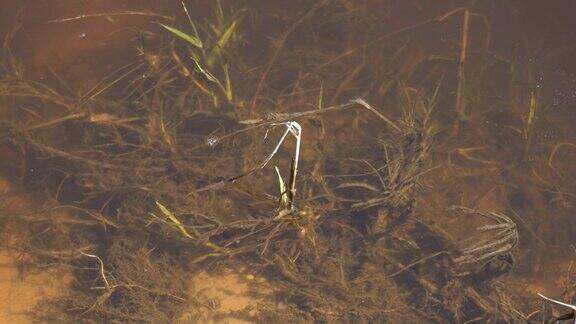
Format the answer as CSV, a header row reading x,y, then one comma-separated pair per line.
x,y
553,154
109,14
291,127
193,25
526,225
57,121
415,263
558,302
296,130
438,18
98,164
94,92
364,104
101,263
435,19
461,62
279,118
283,118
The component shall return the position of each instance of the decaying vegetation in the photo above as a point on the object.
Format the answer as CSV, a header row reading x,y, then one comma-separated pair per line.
x,y
165,168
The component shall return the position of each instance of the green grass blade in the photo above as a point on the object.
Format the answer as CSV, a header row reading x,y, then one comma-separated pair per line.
x,y
320,96
182,229
531,113
174,220
206,73
283,194
195,41
227,85
220,44
227,90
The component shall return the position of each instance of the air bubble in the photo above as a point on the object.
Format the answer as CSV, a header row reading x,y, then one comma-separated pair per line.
x,y
212,140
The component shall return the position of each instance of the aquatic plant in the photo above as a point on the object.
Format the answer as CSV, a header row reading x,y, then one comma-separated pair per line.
x,y
207,54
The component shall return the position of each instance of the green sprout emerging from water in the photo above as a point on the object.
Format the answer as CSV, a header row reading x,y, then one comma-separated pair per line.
x,y
287,194
207,54
284,200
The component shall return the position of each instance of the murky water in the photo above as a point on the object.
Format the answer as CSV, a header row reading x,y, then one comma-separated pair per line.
x,y
105,112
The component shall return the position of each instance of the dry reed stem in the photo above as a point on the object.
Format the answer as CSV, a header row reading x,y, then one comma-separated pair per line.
x,y
109,14
461,75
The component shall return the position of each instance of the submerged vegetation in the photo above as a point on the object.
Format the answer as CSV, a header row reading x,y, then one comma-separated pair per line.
x,y
426,172
206,55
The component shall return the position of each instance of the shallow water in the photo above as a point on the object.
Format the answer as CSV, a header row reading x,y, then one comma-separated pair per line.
x,y
510,150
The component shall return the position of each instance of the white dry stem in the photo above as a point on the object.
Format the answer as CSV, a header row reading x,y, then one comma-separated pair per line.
x,y
295,129
558,302
101,263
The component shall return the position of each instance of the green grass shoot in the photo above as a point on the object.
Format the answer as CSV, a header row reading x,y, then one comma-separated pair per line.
x,y
320,96
228,84
174,220
531,112
207,56
220,44
206,73
193,40
284,199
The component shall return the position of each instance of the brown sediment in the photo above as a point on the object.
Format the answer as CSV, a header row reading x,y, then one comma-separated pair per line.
x,y
24,286
21,295
150,186
231,296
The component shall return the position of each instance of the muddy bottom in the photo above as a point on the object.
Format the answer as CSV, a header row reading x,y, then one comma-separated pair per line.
x,y
315,161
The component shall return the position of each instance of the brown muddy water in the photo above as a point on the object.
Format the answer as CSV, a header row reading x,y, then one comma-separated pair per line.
x,y
434,180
